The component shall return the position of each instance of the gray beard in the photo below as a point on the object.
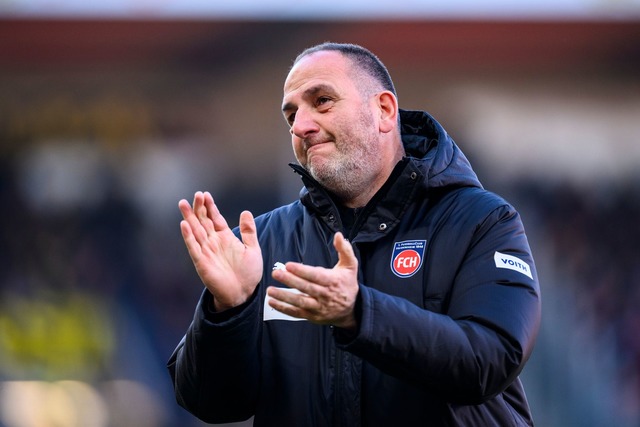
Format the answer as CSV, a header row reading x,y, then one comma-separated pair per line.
x,y
345,178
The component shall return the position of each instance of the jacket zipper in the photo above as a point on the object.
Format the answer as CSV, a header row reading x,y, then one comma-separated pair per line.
x,y
338,389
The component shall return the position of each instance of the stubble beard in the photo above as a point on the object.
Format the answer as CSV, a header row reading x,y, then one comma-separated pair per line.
x,y
349,172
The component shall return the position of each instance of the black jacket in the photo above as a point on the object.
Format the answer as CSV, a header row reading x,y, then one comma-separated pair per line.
x,y
448,310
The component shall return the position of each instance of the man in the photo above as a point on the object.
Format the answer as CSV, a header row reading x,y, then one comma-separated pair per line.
x,y
403,293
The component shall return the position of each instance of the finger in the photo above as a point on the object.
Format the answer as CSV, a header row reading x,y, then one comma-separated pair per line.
x,y
197,228
185,208
284,298
248,230
288,309
301,277
198,205
346,256
213,213
193,247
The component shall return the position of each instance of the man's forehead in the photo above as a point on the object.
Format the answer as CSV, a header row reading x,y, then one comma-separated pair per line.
x,y
325,68
321,65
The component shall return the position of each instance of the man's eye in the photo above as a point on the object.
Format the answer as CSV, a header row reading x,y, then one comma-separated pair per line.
x,y
291,118
323,100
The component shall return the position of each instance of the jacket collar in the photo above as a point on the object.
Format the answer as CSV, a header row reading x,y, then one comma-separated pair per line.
x,y
382,213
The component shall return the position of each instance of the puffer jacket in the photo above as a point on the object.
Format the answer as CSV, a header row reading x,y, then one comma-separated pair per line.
x,y
448,309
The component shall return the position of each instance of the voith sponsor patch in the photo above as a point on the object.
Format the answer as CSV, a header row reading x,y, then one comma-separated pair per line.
x,y
407,257
512,263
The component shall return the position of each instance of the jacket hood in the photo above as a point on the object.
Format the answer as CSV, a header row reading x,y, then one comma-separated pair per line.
x,y
434,152
432,162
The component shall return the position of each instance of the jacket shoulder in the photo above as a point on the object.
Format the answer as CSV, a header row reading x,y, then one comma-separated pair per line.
x,y
280,216
473,206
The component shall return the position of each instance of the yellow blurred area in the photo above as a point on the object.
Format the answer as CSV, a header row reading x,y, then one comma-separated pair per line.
x,y
111,119
69,337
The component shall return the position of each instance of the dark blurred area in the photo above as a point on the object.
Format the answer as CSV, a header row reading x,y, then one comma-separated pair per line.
x,y
106,123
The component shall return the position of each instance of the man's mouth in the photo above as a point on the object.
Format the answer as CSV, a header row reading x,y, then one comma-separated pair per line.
x,y
316,146
309,144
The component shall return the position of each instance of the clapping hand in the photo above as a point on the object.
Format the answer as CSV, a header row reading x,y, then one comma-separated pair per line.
x,y
230,268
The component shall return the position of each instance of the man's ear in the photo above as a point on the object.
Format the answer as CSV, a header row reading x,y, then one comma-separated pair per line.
x,y
388,105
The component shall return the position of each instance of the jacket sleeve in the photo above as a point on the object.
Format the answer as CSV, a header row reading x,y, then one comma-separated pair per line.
x,y
478,345
215,368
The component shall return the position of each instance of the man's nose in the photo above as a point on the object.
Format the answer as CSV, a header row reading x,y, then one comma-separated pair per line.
x,y
303,124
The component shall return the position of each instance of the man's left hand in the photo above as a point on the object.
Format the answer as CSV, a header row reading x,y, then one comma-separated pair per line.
x,y
328,295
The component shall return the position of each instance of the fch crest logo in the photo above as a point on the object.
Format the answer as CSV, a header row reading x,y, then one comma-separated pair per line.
x,y
407,257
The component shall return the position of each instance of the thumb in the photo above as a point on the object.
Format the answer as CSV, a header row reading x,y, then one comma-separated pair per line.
x,y
248,230
346,256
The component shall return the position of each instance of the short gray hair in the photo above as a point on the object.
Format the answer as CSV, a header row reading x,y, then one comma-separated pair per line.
x,y
361,57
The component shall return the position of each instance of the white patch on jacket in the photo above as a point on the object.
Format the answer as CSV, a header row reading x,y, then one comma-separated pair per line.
x,y
512,263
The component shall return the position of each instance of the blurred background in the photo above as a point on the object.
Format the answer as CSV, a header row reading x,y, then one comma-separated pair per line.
x,y
112,111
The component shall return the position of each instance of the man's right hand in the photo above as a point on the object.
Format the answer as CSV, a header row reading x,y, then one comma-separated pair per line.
x,y
230,268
